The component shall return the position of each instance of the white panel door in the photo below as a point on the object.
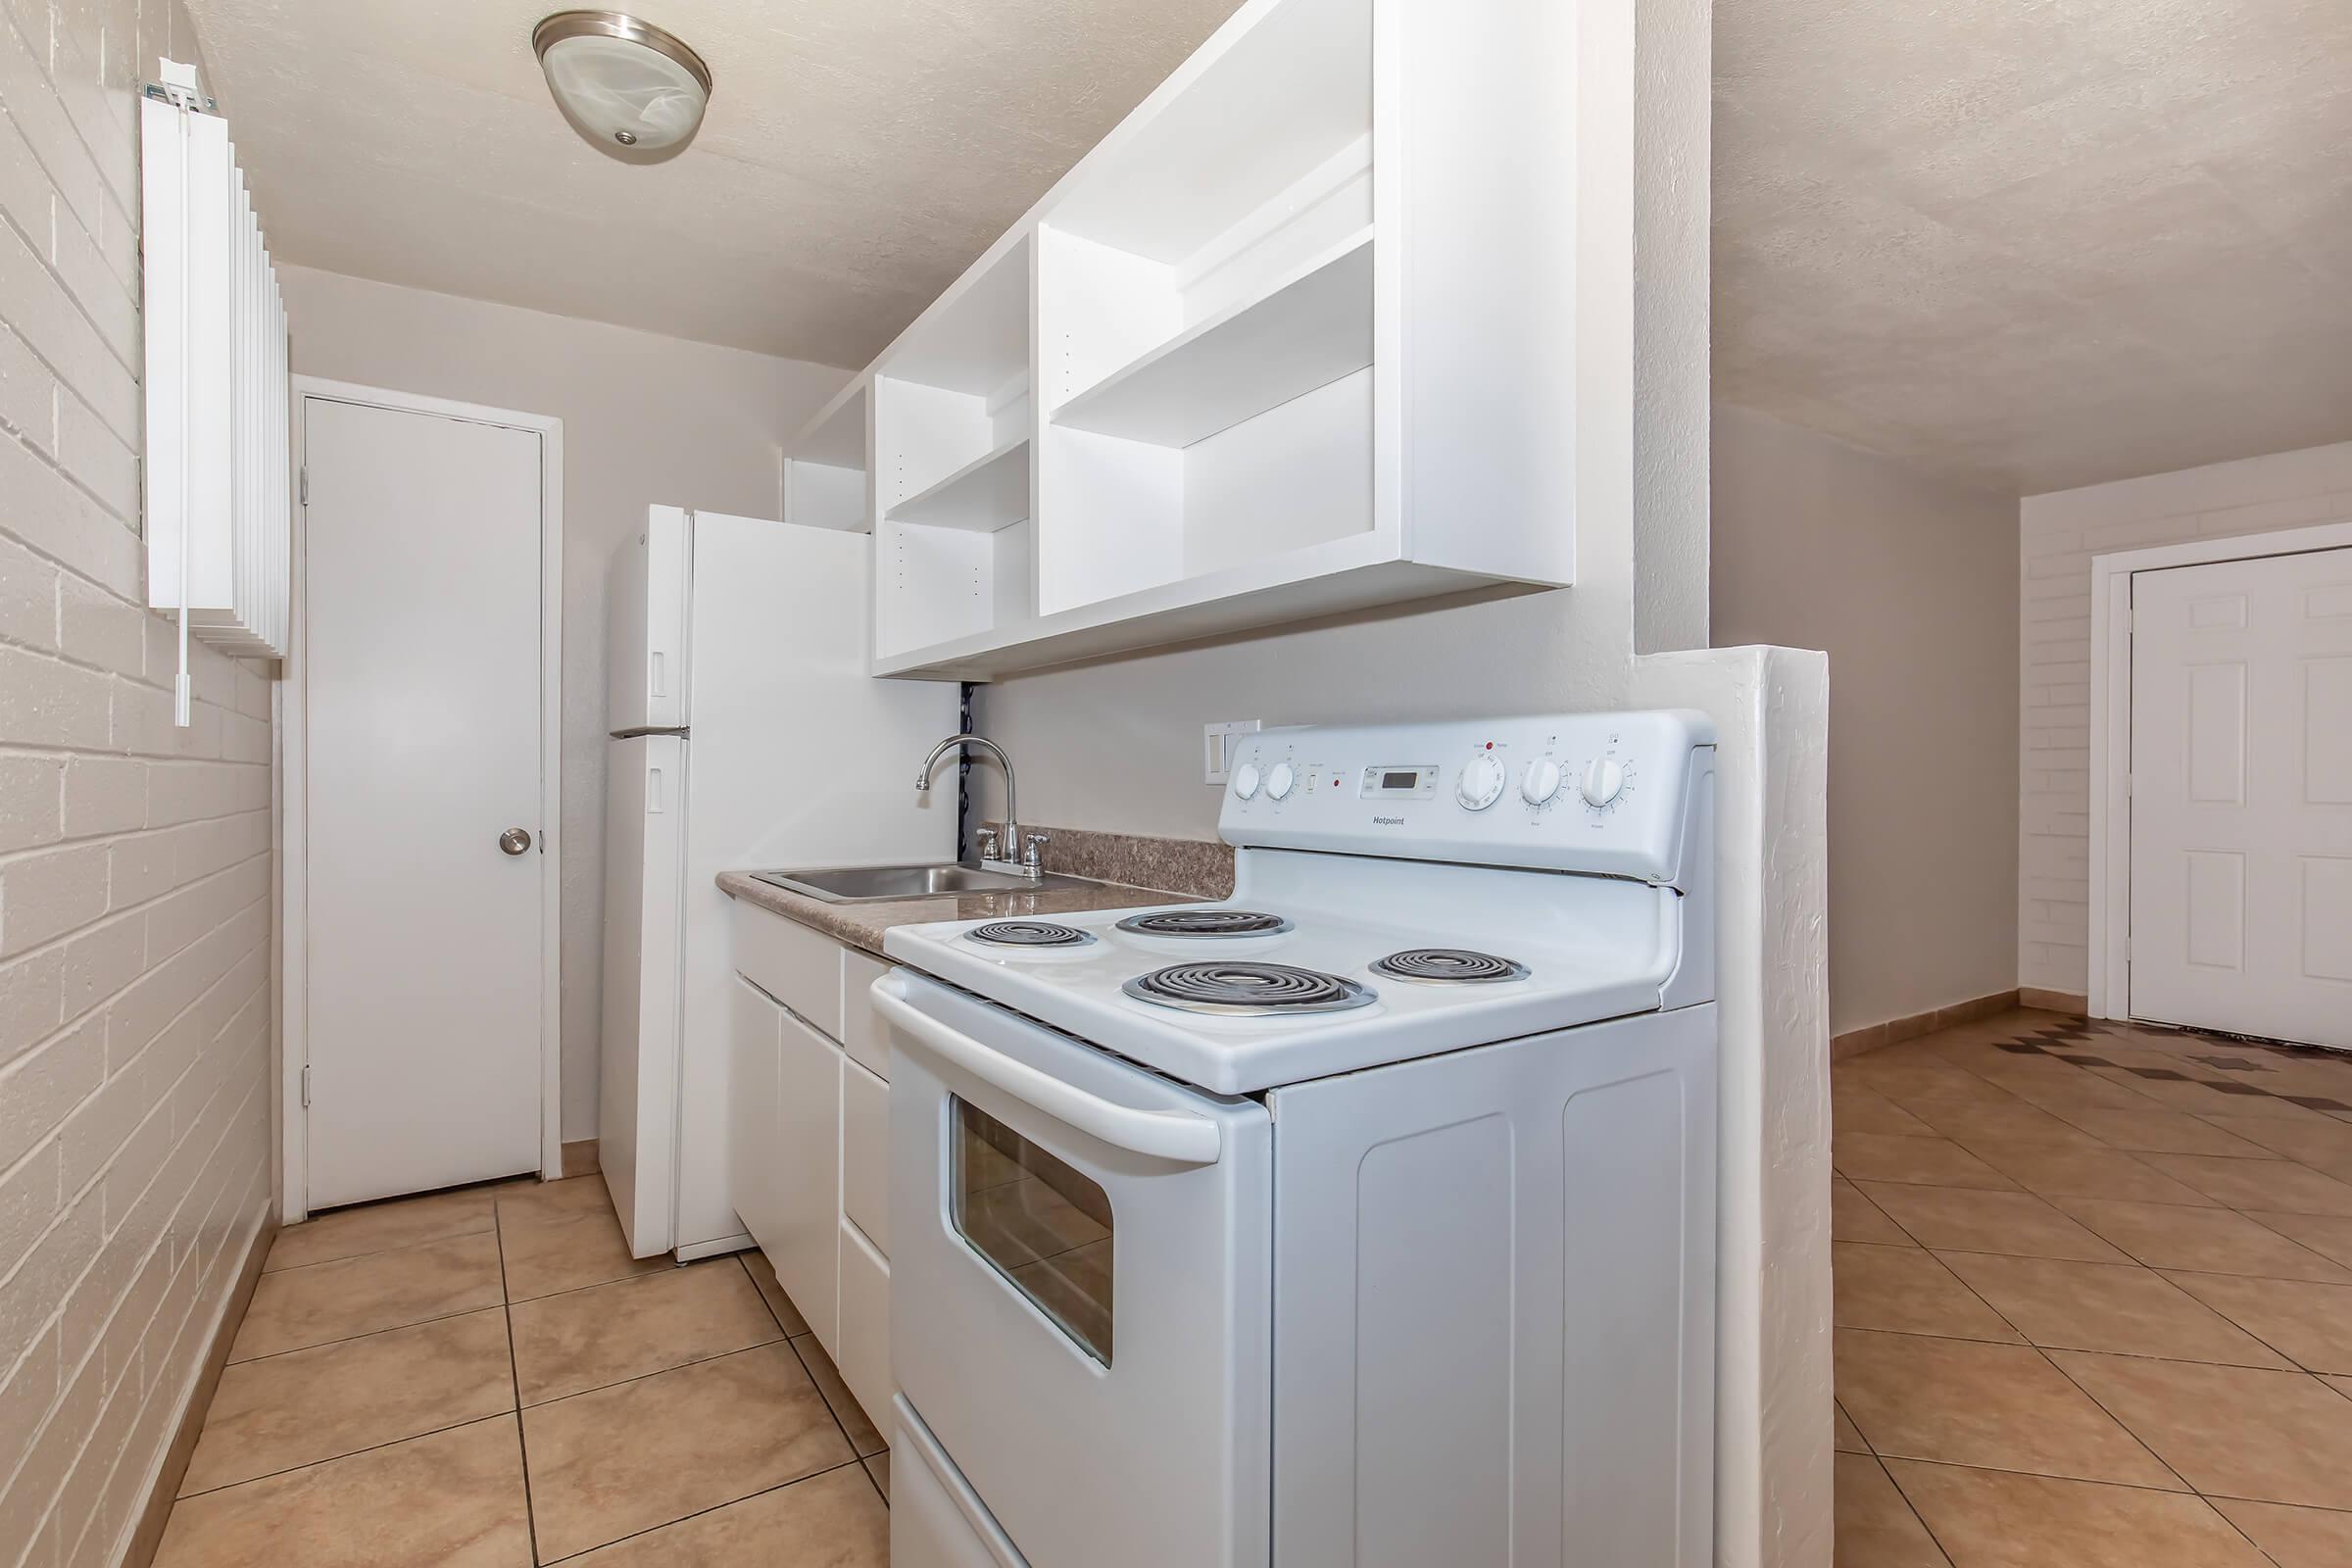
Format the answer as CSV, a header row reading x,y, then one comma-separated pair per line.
x,y
422,654
2241,797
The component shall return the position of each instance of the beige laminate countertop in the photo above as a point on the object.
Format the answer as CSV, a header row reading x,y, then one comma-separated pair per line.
x,y
863,925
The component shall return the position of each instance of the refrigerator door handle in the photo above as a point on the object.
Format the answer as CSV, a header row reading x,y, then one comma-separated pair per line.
x,y
653,791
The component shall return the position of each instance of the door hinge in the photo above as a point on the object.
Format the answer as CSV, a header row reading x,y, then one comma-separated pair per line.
x,y
306,1086
303,479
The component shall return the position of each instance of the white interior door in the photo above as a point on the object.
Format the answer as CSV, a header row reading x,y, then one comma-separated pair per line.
x,y
422,712
2241,797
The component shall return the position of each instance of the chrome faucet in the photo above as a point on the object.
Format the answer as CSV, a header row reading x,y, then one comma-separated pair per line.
x,y
1011,852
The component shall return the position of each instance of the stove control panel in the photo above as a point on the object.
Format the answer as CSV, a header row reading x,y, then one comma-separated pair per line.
x,y
1603,793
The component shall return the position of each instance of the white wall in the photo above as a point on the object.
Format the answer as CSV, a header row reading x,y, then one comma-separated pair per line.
x,y
646,420
2058,534
1910,585
1115,744
135,863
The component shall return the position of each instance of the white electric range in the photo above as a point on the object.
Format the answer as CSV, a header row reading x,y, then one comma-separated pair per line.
x,y
1363,1218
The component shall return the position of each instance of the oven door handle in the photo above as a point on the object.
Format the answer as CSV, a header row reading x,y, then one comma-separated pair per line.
x,y
1183,1139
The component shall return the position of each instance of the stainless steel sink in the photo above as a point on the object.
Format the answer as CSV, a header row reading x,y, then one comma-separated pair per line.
x,y
868,884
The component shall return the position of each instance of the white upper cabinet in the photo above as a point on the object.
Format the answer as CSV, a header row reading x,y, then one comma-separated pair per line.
x,y
1296,338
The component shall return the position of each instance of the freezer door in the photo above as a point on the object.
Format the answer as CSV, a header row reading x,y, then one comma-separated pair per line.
x,y
644,862
645,619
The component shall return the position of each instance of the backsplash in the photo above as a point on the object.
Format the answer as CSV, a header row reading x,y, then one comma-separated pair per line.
x,y
1201,867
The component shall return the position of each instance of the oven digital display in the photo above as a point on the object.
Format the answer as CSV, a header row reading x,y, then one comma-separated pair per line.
x,y
1399,781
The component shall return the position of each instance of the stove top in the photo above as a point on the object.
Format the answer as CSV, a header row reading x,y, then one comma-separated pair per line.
x,y
1247,990
1448,966
1206,924
1399,891
1045,934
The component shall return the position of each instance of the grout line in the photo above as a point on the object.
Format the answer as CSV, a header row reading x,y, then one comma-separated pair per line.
x,y
817,1382
381,1251
389,1328
639,1377
2045,1475
350,1454
1925,1529
522,1442
2121,1423
371,1334
698,1513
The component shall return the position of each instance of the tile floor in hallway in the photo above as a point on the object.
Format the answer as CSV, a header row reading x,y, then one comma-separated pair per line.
x,y
2093,1300
485,1378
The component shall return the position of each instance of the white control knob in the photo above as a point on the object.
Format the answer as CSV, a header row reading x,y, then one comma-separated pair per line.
x,y
1480,783
1603,780
1245,780
1279,782
1541,782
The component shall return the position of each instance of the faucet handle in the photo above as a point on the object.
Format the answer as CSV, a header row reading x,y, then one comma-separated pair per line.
x,y
1029,844
990,849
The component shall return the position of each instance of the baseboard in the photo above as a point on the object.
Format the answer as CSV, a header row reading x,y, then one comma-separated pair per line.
x,y
580,1157
2073,1001
1856,1042
148,1534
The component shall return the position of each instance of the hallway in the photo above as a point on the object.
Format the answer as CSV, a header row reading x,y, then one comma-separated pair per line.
x,y
2093,1300
485,1378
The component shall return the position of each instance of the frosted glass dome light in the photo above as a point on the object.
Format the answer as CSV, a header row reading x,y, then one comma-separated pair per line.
x,y
624,83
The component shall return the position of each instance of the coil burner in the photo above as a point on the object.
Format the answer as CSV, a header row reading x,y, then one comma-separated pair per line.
x,y
1448,966
1247,990
1205,923
1029,933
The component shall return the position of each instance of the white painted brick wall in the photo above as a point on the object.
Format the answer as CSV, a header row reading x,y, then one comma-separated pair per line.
x,y
2058,534
136,859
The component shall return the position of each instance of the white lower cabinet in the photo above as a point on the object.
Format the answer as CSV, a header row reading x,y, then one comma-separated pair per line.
x,y
808,1135
754,1174
865,1154
811,1130
863,1356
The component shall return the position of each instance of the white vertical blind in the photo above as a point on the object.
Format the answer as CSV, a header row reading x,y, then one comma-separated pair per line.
x,y
219,496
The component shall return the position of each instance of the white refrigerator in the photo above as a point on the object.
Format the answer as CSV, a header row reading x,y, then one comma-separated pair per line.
x,y
745,734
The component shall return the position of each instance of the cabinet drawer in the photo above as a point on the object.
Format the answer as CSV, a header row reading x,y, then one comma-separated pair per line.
x,y
865,1153
865,1354
798,966
862,1033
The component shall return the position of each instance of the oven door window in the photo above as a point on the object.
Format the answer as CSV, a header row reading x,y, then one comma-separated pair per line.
x,y
1042,1225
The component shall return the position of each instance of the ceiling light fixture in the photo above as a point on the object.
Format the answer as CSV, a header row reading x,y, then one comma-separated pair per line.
x,y
623,83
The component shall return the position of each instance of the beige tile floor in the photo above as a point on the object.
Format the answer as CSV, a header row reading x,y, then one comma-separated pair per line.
x,y
485,1378
2093,1300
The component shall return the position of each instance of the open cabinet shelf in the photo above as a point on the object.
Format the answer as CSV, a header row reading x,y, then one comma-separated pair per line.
x,y
1326,580
1296,338
988,493
1311,327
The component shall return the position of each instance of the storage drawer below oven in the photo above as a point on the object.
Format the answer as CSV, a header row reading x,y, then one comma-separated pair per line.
x,y
936,1519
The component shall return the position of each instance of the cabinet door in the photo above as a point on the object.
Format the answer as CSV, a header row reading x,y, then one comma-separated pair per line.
x,y
757,1041
806,1140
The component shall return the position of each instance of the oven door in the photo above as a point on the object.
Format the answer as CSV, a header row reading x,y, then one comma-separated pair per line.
x,y
1081,1268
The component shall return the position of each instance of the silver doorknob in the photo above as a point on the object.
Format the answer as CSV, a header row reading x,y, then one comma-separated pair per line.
x,y
514,841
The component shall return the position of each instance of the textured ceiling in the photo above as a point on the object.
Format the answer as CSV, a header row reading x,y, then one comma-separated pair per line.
x,y
2034,243
857,152
2040,243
